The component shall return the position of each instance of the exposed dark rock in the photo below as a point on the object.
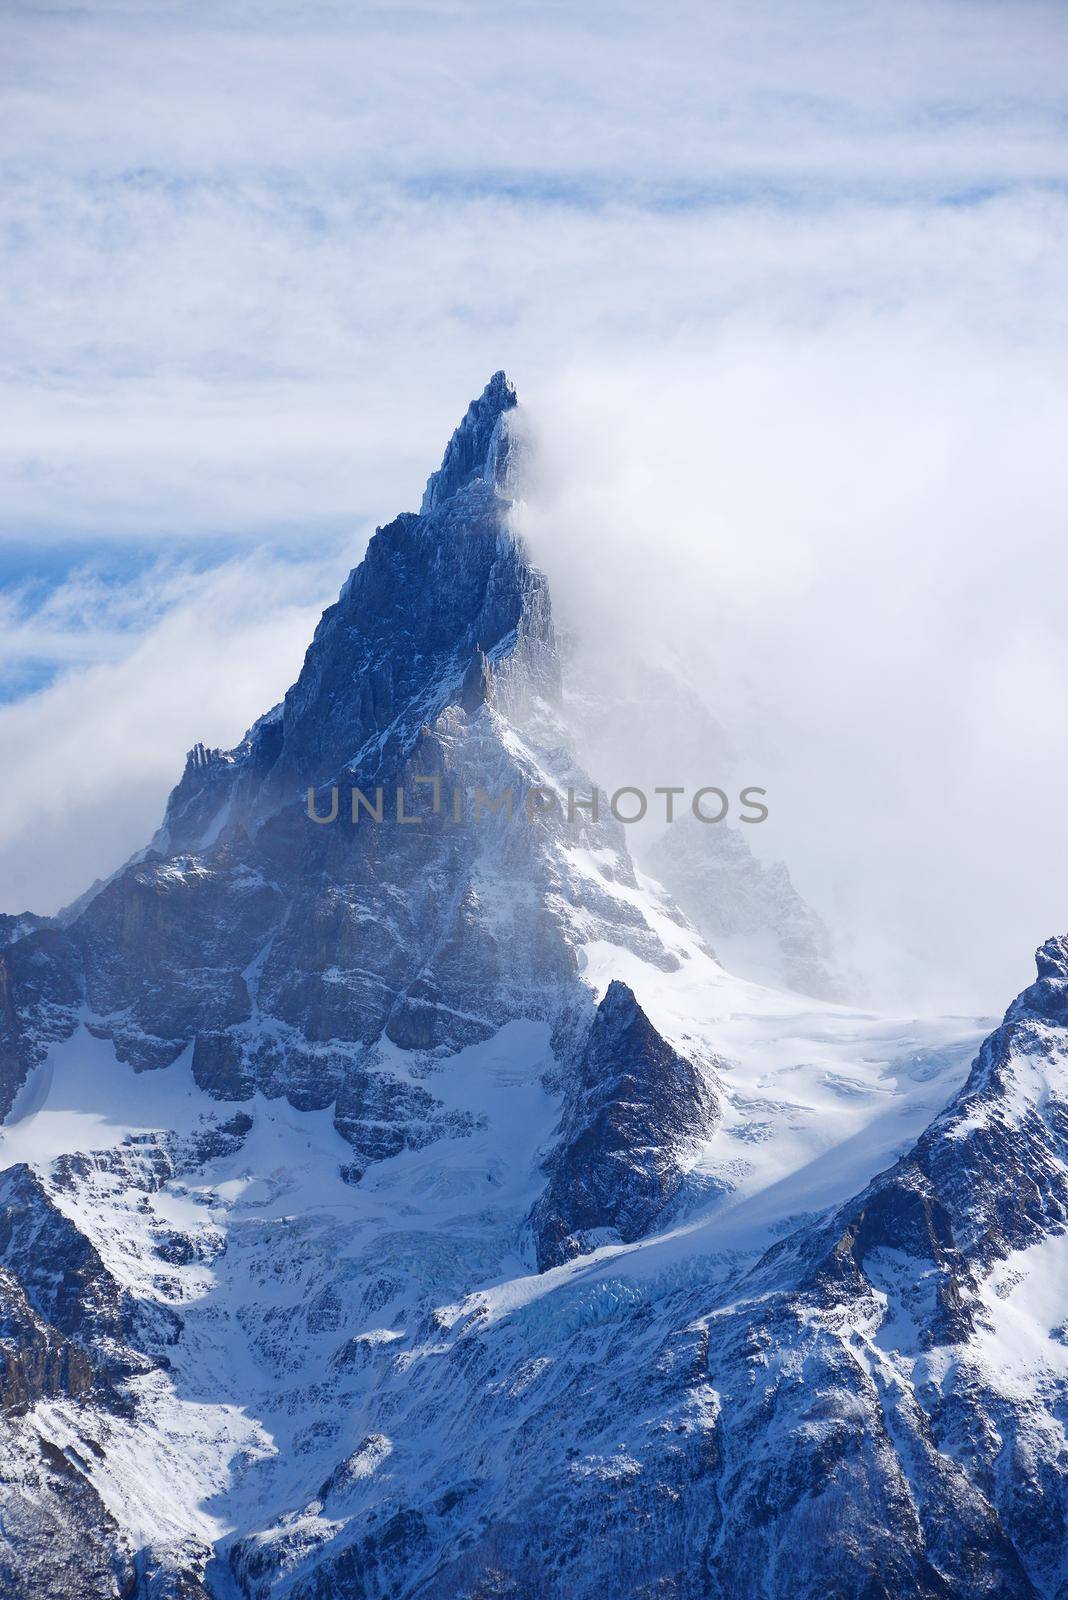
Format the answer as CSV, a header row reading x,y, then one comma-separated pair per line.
x,y
18,925
477,687
40,988
36,1361
473,451
635,1110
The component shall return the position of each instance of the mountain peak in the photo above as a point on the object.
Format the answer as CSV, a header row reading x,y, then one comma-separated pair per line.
x,y
440,603
1047,997
474,449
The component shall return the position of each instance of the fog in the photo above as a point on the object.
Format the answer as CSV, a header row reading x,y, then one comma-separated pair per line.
x,y
850,542
91,758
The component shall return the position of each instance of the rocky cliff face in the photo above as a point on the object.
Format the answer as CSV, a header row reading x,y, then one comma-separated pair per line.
x,y
634,1108
418,1209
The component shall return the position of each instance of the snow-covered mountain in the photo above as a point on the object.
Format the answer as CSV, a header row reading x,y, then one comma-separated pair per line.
x,y
420,1209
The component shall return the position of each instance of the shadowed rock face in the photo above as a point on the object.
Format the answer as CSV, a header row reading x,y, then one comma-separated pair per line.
x,y
41,986
432,591
478,448
36,1361
16,927
59,1270
989,1176
635,1109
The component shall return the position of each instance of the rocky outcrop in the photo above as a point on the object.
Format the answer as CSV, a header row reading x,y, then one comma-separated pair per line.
x,y
477,686
16,926
636,1108
58,1270
36,1361
988,1178
478,450
41,987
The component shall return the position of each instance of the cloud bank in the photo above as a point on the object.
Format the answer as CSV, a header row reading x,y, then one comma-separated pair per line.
x,y
852,541
91,758
254,253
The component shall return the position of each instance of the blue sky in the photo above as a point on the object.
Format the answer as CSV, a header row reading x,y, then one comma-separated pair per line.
x,y
257,257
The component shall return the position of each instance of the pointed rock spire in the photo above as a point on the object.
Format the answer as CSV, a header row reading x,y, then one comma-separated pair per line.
x,y
473,450
425,599
1047,997
477,687
636,1105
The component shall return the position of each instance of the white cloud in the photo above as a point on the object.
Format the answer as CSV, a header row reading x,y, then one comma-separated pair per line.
x,y
90,759
256,254
617,92
220,397
854,541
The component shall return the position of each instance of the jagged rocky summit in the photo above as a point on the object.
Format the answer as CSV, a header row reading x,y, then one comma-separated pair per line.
x,y
420,1210
279,952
